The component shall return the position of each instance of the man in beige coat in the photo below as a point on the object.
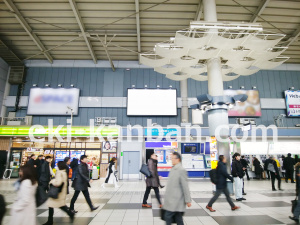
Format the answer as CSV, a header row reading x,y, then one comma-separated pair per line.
x,y
177,195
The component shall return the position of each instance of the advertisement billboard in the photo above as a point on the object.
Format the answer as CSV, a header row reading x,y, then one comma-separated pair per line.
x,y
292,99
53,101
249,108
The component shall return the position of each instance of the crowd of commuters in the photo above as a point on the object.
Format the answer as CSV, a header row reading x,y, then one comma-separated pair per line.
x,y
38,173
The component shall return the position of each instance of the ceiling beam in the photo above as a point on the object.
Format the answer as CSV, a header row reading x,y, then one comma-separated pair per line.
x,y
199,11
259,11
82,29
294,37
138,28
28,29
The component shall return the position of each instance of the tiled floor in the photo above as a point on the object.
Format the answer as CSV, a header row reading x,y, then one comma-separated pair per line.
x,y
122,206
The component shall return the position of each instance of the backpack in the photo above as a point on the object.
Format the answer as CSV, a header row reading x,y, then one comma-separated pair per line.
x,y
271,167
213,176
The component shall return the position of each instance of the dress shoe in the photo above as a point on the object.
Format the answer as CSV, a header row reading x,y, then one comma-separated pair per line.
x,y
146,206
294,218
210,208
73,211
161,186
94,208
235,208
243,198
244,193
239,199
274,189
71,215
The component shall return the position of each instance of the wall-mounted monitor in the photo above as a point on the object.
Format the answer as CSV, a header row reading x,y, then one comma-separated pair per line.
x,y
53,101
151,102
190,148
292,99
249,108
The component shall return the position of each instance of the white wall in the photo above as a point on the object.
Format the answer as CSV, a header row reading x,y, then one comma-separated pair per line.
x,y
3,77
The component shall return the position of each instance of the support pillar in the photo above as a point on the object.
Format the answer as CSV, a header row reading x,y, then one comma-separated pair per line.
x,y
184,99
216,118
6,93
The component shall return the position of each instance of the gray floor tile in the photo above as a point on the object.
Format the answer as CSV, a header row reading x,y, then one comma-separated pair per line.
x,y
266,204
123,206
188,212
245,220
279,194
66,220
206,200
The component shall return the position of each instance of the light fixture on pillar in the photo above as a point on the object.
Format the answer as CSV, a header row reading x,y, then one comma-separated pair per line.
x,y
229,87
59,85
72,85
157,86
34,85
146,86
254,88
242,87
133,86
47,85
170,86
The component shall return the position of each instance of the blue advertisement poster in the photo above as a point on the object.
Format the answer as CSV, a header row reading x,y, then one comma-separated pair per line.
x,y
60,156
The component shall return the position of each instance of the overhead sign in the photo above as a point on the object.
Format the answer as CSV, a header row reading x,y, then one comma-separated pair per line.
x,y
75,131
53,101
292,99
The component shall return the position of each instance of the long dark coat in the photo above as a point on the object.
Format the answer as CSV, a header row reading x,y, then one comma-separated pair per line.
x,y
82,180
152,181
257,167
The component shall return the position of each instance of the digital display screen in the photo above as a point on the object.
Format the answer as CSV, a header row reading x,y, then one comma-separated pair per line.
x,y
151,102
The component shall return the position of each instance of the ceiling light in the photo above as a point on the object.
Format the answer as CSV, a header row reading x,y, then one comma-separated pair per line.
x,y
59,85
229,87
146,86
34,85
47,85
254,87
242,87
71,85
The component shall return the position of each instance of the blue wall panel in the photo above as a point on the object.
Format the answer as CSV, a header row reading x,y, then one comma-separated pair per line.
x,y
102,82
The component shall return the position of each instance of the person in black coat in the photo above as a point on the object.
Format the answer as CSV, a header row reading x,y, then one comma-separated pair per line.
x,y
296,215
288,165
67,161
81,183
245,165
238,174
38,162
45,174
74,166
274,171
266,163
31,161
221,185
2,208
257,168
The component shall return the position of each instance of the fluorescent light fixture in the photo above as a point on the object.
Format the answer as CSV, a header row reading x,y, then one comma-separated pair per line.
x,y
227,26
47,85
242,87
146,86
133,86
254,87
59,85
127,69
71,85
34,85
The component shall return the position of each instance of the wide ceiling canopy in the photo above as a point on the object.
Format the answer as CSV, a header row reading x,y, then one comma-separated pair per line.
x,y
120,29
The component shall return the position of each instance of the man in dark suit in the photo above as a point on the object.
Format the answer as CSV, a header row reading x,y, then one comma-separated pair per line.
x,y
31,161
81,184
45,174
221,185
288,165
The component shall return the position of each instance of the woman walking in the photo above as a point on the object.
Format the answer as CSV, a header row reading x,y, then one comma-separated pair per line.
x,y
23,211
60,180
152,182
111,177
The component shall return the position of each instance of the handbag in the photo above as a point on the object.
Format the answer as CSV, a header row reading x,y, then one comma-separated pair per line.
x,y
294,204
145,170
162,215
40,196
54,191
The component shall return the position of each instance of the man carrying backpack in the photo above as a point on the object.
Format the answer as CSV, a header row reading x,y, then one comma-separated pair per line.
x,y
221,185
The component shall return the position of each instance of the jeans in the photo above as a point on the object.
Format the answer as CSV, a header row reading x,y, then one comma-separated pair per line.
x,y
51,212
238,187
217,194
273,177
297,209
147,192
176,215
87,198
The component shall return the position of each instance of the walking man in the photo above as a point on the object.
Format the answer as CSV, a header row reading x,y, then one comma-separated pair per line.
x,y
177,195
45,174
81,184
274,171
221,185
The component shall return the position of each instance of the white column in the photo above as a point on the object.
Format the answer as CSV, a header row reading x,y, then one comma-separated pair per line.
x,y
210,11
184,99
